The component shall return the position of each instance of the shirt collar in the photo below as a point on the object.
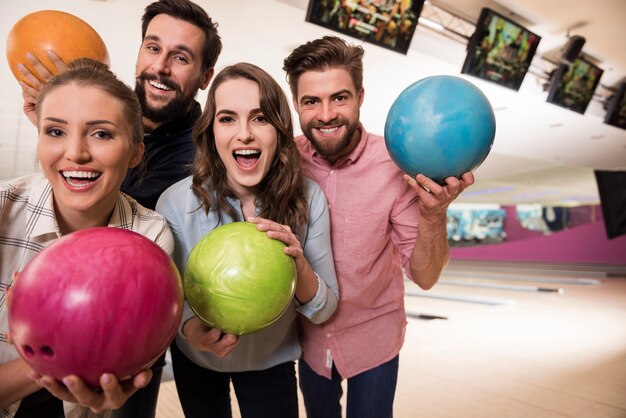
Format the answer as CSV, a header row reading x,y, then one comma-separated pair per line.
x,y
41,211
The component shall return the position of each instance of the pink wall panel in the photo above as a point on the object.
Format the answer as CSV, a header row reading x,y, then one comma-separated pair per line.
x,y
581,244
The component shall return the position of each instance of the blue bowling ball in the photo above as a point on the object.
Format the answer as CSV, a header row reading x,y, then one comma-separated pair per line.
x,y
440,126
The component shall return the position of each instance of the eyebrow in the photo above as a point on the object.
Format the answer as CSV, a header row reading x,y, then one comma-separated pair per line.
x,y
179,47
332,96
88,123
232,112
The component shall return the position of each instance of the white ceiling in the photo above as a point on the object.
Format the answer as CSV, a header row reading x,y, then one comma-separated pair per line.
x,y
542,153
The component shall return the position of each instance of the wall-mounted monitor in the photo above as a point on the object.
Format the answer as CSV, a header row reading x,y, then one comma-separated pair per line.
x,y
386,23
572,85
500,50
616,111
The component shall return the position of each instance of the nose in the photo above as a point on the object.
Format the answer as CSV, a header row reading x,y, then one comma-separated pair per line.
x,y
326,113
77,149
161,64
245,134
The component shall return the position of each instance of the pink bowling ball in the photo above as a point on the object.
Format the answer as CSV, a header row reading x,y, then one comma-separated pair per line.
x,y
99,300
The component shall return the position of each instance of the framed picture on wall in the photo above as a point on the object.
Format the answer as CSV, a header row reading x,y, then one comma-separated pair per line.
x,y
386,23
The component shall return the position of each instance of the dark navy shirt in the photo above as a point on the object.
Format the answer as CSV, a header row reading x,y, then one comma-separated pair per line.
x,y
169,152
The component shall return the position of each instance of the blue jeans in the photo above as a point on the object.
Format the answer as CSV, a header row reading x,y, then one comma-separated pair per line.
x,y
204,393
370,394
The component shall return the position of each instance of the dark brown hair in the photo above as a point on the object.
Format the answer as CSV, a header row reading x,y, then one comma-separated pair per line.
x,y
323,54
281,196
194,14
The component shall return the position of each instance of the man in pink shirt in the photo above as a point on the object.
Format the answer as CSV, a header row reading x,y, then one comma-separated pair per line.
x,y
381,221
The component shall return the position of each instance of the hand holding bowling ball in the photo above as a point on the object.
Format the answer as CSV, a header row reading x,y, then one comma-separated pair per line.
x,y
112,394
96,301
239,280
69,36
440,126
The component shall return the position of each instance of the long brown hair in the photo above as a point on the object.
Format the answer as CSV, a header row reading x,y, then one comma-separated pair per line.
x,y
281,196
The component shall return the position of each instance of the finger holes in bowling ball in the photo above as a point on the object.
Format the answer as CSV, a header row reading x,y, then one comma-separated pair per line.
x,y
47,352
28,351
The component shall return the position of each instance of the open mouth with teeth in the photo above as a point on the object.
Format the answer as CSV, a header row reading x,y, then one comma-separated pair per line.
x,y
247,158
328,131
80,179
159,86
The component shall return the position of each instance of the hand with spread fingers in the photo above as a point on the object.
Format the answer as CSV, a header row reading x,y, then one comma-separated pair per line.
x,y
434,198
35,81
283,233
306,284
113,394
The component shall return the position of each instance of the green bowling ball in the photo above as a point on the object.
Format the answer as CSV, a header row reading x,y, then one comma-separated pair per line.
x,y
239,280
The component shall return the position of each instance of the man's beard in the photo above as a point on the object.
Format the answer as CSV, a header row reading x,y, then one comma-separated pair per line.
x,y
173,109
331,149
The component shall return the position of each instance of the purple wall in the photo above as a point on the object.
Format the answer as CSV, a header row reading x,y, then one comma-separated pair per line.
x,y
580,244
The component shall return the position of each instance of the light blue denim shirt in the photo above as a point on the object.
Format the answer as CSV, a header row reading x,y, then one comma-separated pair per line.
x,y
278,343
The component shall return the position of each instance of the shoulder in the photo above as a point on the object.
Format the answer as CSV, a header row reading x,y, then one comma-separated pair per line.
x,y
178,189
377,155
312,189
21,188
376,144
139,213
315,196
22,183
148,222
303,144
177,198
153,226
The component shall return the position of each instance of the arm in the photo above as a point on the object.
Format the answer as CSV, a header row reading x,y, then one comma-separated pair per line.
x,y
431,252
15,382
318,251
317,291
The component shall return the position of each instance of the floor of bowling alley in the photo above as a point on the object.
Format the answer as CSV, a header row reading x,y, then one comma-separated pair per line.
x,y
507,340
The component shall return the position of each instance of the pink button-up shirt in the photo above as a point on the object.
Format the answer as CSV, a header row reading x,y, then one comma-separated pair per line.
x,y
374,218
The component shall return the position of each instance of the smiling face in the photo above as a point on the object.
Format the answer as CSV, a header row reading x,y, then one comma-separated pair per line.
x,y
245,140
169,68
85,148
328,106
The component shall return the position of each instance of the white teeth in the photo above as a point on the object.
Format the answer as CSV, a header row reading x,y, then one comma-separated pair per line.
x,y
77,185
247,152
81,174
327,131
159,85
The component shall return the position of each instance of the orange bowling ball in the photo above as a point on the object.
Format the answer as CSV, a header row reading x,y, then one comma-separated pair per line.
x,y
67,35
